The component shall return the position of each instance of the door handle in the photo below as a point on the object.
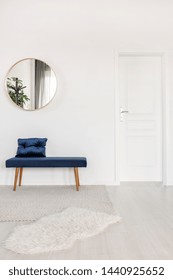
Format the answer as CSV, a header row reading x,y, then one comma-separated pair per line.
x,y
122,111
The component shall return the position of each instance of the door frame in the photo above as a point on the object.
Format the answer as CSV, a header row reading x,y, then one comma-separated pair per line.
x,y
165,110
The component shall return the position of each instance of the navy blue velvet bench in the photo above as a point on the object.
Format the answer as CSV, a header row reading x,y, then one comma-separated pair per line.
x,y
45,162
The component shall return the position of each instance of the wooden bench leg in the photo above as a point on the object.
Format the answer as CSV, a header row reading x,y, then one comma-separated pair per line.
x,y
16,178
20,176
76,173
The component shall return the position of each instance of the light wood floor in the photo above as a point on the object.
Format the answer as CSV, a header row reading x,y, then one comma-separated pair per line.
x,y
145,232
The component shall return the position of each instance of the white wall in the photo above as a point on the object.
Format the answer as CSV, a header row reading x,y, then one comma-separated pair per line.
x,y
78,39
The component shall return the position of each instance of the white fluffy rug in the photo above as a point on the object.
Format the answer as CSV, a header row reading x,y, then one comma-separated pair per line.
x,y
58,231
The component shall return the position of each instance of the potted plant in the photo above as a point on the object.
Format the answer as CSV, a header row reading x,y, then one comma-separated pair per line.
x,y
16,91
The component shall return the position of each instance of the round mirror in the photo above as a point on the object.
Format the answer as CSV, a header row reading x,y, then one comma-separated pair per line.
x,y
31,84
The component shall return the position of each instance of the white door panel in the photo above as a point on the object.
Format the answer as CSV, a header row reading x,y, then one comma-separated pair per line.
x,y
141,127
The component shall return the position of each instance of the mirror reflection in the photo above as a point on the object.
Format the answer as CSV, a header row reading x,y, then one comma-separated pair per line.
x,y
31,84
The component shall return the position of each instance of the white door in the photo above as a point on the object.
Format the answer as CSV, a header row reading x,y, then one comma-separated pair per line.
x,y
141,126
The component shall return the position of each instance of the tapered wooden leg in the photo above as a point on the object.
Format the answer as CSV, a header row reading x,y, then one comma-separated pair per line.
x,y
76,173
20,176
15,178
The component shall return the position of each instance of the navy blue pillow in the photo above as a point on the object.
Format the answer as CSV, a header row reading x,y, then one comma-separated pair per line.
x,y
31,147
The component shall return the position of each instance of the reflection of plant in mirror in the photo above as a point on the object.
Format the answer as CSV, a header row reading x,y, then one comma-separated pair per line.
x,y
15,90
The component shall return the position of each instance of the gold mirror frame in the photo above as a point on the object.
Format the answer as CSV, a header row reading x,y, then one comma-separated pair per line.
x,y
31,84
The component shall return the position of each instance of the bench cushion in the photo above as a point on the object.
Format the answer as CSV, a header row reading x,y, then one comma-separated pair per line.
x,y
31,147
47,162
